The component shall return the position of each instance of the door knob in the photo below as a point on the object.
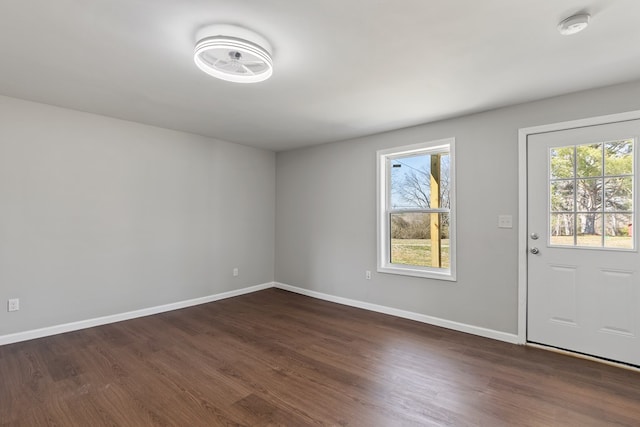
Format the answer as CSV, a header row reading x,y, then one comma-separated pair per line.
x,y
534,251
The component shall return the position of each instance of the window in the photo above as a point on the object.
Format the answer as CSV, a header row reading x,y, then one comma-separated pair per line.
x,y
591,195
416,210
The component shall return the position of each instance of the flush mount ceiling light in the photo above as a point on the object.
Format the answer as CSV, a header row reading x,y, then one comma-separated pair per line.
x,y
574,24
233,54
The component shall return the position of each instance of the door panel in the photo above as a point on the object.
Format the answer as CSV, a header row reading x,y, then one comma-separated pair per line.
x,y
562,295
613,287
584,278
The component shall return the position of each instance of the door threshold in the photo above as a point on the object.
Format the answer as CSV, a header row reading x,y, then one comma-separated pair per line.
x,y
613,363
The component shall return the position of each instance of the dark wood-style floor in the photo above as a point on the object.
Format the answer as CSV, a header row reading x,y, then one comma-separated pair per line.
x,y
277,358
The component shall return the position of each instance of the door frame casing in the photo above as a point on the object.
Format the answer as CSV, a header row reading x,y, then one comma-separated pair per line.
x,y
523,135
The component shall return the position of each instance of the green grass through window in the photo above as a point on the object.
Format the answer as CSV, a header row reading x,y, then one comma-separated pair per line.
x,y
417,252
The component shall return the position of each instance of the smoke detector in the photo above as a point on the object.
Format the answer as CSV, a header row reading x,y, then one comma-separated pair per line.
x,y
574,24
233,53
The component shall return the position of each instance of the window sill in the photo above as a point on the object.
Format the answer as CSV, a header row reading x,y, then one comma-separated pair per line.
x,y
412,271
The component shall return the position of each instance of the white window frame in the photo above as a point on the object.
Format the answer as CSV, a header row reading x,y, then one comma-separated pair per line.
x,y
384,210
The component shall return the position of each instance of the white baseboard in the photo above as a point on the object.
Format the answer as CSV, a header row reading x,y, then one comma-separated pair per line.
x,y
449,324
89,323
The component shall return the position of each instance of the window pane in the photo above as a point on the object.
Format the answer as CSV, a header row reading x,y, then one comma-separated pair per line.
x,y
589,160
562,162
562,199
445,181
412,178
619,231
562,229
618,157
618,194
589,227
412,243
410,182
589,197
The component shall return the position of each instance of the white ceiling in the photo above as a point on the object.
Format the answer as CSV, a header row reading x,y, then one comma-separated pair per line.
x,y
342,68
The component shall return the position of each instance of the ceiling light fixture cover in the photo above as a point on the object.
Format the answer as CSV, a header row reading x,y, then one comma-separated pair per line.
x,y
233,54
574,24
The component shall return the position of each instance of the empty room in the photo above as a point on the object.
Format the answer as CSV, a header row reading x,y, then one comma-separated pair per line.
x,y
340,213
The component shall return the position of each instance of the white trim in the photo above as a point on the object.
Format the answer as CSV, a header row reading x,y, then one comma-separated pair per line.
x,y
523,134
383,178
423,318
522,236
584,356
89,323
426,272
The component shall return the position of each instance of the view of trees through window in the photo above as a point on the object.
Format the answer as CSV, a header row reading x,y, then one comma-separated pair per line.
x,y
591,195
420,209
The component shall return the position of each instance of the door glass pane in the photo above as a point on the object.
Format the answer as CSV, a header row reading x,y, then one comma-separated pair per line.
x,y
591,197
562,196
619,231
589,227
562,162
412,242
618,194
562,229
618,157
589,160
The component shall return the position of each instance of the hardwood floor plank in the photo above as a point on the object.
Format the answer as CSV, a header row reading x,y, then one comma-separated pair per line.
x,y
256,411
277,358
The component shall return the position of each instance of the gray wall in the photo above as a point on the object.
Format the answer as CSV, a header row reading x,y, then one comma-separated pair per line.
x,y
101,216
326,221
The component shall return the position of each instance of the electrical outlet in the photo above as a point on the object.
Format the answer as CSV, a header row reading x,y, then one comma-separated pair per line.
x,y
367,275
13,304
505,221
236,272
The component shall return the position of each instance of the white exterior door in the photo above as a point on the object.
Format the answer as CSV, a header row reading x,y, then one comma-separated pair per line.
x,y
583,279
